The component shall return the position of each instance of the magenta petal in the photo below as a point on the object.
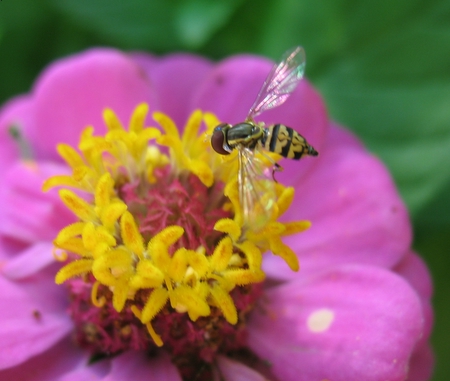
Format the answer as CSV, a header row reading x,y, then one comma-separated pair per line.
x,y
231,370
33,318
30,261
50,365
414,270
349,323
355,210
138,366
231,87
16,113
421,364
29,214
72,92
174,79
86,372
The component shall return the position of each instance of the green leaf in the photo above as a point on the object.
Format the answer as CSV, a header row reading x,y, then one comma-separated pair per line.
x,y
156,24
197,20
434,245
132,24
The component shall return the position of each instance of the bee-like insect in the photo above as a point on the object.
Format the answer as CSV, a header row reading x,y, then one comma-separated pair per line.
x,y
250,139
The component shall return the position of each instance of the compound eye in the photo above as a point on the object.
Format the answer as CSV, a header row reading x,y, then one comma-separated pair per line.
x,y
218,140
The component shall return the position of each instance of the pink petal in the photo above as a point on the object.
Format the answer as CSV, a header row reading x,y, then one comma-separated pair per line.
x,y
15,113
414,270
29,214
90,372
350,323
232,86
33,317
50,365
72,93
139,366
33,259
174,78
231,370
421,364
355,210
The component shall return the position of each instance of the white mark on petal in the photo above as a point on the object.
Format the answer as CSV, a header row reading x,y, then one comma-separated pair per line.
x,y
320,320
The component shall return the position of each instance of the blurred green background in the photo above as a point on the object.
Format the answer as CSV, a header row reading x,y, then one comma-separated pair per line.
x,y
383,67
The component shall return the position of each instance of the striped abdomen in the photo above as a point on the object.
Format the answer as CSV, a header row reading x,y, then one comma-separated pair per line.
x,y
286,142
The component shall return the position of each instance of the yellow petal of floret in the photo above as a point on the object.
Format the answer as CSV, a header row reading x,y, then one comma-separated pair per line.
x,y
296,227
184,298
137,120
198,262
156,301
70,155
229,226
130,234
111,213
104,190
113,266
285,200
147,275
285,252
111,120
75,268
82,209
60,181
222,254
75,245
120,295
178,265
225,303
69,231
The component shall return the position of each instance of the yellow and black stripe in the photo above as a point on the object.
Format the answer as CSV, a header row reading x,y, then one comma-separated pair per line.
x,y
286,142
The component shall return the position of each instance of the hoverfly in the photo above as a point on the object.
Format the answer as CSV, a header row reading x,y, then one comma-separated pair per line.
x,y
256,190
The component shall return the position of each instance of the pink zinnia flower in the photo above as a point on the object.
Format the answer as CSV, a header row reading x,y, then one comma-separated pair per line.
x,y
164,284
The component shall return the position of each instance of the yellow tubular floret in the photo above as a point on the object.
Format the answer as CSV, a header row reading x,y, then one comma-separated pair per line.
x,y
178,265
130,235
70,155
74,245
156,301
185,299
69,231
120,294
78,267
83,210
137,120
104,190
111,120
222,254
225,303
147,275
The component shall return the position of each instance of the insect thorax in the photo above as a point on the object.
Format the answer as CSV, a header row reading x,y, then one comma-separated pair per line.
x,y
247,134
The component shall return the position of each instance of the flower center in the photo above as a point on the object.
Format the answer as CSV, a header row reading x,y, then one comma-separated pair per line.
x,y
177,200
160,254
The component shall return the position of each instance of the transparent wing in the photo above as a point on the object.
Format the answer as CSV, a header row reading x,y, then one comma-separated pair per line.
x,y
256,189
280,83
